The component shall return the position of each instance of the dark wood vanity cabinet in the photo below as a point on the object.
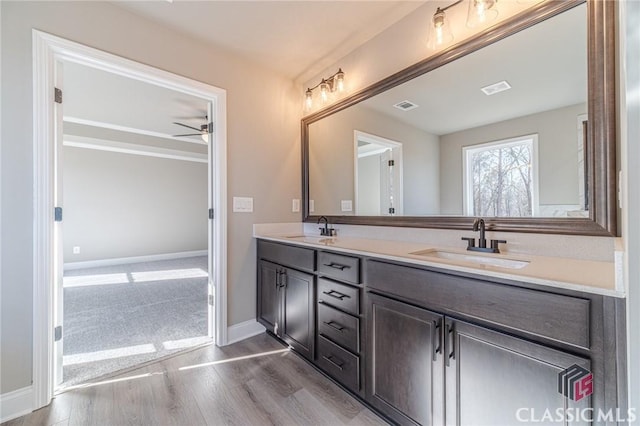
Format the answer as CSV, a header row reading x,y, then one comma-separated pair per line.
x,y
450,349
286,295
427,346
424,367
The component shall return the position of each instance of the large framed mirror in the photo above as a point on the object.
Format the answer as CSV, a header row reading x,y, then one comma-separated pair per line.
x,y
426,147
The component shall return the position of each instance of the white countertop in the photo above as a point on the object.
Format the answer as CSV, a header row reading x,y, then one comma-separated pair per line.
x,y
581,275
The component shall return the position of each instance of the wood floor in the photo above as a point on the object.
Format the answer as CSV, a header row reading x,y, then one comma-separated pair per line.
x,y
253,382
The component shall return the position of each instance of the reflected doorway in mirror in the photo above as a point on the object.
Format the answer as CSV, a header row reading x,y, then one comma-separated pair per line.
x,y
378,175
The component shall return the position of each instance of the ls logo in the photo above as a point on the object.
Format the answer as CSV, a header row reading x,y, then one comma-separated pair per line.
x,y
575,382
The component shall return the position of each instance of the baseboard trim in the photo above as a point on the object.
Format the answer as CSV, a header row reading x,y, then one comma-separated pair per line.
x,y
16,403
135,259
243,330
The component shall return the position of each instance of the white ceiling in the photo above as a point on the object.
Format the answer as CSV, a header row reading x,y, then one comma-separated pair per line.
x,y
297,38
102,99
544,64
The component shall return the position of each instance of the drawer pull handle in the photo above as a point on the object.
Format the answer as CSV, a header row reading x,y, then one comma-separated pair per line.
x,y
336,294
334,325
336,363
337,266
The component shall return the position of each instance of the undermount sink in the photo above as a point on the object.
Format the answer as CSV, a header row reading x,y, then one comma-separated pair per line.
x,y
490,259
317,239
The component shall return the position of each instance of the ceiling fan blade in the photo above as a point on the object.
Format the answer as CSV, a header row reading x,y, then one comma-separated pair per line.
x,y
188,127
190,134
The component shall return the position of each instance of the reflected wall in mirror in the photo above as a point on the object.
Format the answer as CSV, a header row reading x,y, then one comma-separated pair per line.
x,y
513,149
516,125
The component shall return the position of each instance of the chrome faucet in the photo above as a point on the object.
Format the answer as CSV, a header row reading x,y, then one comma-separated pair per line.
x,y
479,225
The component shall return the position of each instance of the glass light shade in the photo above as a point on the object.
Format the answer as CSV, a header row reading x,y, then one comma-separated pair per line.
x,y
309,99
338,81
439,31
481,12
324,91
205,137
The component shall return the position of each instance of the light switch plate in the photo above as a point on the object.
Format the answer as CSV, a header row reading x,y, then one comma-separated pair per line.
x,y
242,204
312,206
346,205
295,205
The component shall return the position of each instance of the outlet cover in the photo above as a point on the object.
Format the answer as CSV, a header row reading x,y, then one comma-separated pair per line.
x,y
295,205
242,204
76,250
346,205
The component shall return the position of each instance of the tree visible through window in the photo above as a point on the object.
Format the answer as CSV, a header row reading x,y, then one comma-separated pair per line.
x,y
501,178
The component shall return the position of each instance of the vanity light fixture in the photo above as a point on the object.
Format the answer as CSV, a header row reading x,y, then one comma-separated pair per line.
x,y
335,83
480,12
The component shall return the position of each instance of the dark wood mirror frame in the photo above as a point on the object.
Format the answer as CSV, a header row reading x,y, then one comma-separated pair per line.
x,y
601,141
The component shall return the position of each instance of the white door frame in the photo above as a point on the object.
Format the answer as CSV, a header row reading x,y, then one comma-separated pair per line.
x,y
396,146
48,50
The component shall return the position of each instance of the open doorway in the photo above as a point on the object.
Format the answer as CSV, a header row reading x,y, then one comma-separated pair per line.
x,y
133,185
51,55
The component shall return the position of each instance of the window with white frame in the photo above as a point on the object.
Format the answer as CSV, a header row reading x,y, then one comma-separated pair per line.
x,y
501,178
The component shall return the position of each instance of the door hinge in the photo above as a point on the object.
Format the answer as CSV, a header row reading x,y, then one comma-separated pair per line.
x,y
57,95
57,214
391,163
392,210
57,333
211,299
210,213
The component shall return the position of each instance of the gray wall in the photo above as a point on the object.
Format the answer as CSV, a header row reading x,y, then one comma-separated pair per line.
x,y
331,160
122,205
263,112
557,155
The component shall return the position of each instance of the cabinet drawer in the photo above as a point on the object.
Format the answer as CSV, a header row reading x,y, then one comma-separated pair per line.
x,y
554,316
338,266
296,257
339,364
341,296
342,328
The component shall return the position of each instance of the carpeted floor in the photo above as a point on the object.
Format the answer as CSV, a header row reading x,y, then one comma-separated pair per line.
x,y
120,316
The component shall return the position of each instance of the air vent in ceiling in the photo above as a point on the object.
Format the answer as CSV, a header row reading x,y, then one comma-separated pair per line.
x,y
494,88
406,105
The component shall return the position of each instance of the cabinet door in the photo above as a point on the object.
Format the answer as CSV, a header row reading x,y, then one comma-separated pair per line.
x,y
404,363
298,313
495,379
268,295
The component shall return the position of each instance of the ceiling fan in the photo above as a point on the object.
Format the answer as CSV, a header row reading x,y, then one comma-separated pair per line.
x,y
203,131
